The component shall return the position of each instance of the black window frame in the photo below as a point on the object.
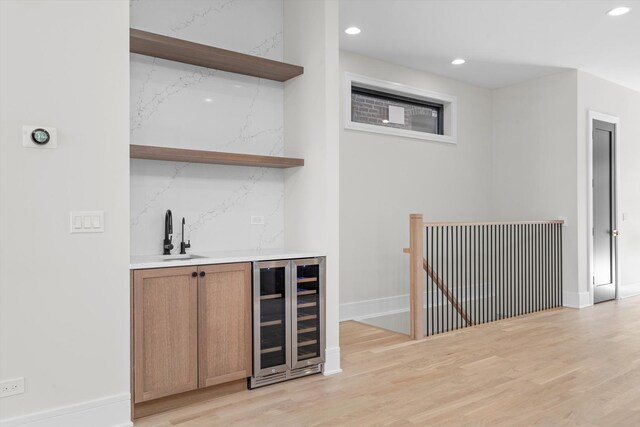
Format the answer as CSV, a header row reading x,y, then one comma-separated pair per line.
x,y
359,90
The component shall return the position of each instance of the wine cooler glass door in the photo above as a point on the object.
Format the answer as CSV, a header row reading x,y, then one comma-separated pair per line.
x,y
272,308
307,299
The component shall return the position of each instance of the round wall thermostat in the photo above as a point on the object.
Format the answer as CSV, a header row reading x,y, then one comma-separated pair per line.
x,y
40,136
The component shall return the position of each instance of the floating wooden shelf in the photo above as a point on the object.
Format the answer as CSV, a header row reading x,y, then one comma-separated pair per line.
x,y
173,49
213,157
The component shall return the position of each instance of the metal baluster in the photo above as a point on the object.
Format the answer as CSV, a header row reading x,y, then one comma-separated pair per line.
x,y
456,294
520,268
502,265
512,264
476,313
441,269
432,307
426,257
446,282
494,292
436,270
553,264
482,273
560,264
529,246
467,271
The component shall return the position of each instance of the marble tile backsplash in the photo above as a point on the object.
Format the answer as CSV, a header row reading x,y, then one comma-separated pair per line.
x,y
179,105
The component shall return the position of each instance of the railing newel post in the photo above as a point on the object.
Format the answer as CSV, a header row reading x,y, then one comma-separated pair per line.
x,y
417,275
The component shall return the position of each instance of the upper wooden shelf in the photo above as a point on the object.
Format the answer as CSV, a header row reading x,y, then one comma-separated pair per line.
x,y
214,157
173,49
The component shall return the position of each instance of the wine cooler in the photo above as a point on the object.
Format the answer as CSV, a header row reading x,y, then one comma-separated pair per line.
x,y
288,319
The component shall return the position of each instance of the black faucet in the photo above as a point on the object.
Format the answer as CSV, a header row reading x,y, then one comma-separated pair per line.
x,y
184,246
168,229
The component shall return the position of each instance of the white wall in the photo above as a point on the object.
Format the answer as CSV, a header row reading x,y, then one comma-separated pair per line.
x,y
64,299
534,164
384,178
180,105
311,132
603,96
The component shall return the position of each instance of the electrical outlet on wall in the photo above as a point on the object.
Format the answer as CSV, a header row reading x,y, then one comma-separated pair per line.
x,y
257,220
11,387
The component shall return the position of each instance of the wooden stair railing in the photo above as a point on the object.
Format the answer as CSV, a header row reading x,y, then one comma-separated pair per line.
x,y
444,289
534,281
417,278
447,293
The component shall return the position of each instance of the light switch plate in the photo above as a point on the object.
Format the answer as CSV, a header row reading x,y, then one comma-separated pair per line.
x,y
87,221
28,142
257,220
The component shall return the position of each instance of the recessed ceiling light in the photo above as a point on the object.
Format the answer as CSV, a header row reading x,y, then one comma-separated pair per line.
x,y
458,61
208,100
352,31
619,11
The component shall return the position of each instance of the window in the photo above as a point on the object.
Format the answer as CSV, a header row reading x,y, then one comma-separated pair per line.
x,y
400,112
384,107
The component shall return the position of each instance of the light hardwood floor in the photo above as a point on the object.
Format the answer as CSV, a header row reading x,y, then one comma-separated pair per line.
x,y
560,367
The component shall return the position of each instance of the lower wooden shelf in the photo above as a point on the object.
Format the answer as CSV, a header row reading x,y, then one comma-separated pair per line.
x,y
150,152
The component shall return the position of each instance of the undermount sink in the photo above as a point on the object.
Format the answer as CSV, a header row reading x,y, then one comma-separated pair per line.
x,y
179,257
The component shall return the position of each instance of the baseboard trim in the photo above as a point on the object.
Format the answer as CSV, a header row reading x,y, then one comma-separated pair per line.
x,y
629,290
367,309
112,411
374,307
576,299
332,361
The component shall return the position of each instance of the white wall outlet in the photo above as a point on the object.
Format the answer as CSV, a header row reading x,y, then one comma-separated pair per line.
x,y
39,137
87,221
11,387
257,220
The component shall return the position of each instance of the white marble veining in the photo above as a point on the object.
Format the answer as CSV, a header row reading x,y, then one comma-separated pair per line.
x,y
179,105
224,257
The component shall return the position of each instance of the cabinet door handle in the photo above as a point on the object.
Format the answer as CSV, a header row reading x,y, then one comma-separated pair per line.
x,y
202,274
194,274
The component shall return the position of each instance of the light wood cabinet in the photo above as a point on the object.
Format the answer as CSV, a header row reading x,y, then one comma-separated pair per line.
x,y
165,332
224,323
191,328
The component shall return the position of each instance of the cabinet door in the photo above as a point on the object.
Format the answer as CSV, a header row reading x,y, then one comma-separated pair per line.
x,y
271,317
224,328
165,332
308,299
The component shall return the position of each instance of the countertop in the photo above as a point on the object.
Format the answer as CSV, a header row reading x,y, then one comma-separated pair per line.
x,y
138,262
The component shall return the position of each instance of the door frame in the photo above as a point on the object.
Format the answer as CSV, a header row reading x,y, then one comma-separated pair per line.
x,y
594,115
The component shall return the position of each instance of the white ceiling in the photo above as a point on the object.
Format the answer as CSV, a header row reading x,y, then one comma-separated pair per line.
x,y
503,41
